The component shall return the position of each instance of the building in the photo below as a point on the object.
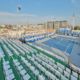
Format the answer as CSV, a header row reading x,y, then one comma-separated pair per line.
x,y
37,26
44,26
63,23
50,25
55,25
3,25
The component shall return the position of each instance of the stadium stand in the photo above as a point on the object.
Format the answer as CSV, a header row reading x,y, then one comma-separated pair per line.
x,y
25,62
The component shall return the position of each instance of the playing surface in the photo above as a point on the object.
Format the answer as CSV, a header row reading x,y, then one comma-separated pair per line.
x,y
68,38
61,45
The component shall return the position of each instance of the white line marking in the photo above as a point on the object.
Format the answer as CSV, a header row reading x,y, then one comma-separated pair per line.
x,y
63,45
58,42
67,47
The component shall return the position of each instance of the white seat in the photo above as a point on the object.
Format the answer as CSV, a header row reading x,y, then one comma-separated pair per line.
x,y
73,78
36,72
32,59
60,70
29,57
50,63
55,66
48,66
10,77
66,74
58,64
63,77
40,77
32,68
6,63
8,72
52,77
52,69
17,64
28,64
68,70
42,69
63,67
43,63
22,72
6,67
15,61
57,73
75,74
47,73
25,61
20,68
26,77
39,66
46,60
39,60
35,62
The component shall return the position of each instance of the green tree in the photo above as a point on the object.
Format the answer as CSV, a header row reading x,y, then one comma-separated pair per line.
x,y
77,28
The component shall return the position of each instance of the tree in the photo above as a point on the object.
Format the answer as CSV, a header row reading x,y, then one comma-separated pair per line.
x,y
77,28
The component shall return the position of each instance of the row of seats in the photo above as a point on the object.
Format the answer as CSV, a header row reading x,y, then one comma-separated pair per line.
x,y
21,71
13,49
21,51
29,49
9,53
51,62
2,55
8,72
57,68
26,51
32,69
50,53
41,67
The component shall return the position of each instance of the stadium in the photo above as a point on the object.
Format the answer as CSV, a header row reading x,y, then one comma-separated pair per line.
x,y
46,56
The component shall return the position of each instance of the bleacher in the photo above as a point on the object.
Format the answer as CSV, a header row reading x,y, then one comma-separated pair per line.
x,y
19,61
37,37
68,32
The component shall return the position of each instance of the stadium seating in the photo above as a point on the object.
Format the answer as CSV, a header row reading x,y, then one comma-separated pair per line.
x,y
26,63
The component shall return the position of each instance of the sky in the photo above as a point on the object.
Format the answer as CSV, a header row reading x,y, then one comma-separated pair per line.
x,y
39,11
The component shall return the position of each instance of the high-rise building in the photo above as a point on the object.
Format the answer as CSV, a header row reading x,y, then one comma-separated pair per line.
x,y
50,25
55,25
63,23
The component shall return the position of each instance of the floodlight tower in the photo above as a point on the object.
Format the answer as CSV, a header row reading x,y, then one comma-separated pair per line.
x,y
18,8
73,21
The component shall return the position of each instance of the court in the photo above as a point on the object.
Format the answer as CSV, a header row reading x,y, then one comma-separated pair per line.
x,y
69,38
61,45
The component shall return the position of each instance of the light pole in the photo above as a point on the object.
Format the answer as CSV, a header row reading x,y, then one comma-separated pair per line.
x,y
54,24
73,21
17,19
46,28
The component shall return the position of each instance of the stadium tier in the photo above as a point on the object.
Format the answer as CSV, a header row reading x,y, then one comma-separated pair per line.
x,y
68,32
37,37
19,61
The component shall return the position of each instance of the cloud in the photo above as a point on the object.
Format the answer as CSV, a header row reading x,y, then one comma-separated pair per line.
x,y
28,15
73,1
11,14
11,1
10,18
